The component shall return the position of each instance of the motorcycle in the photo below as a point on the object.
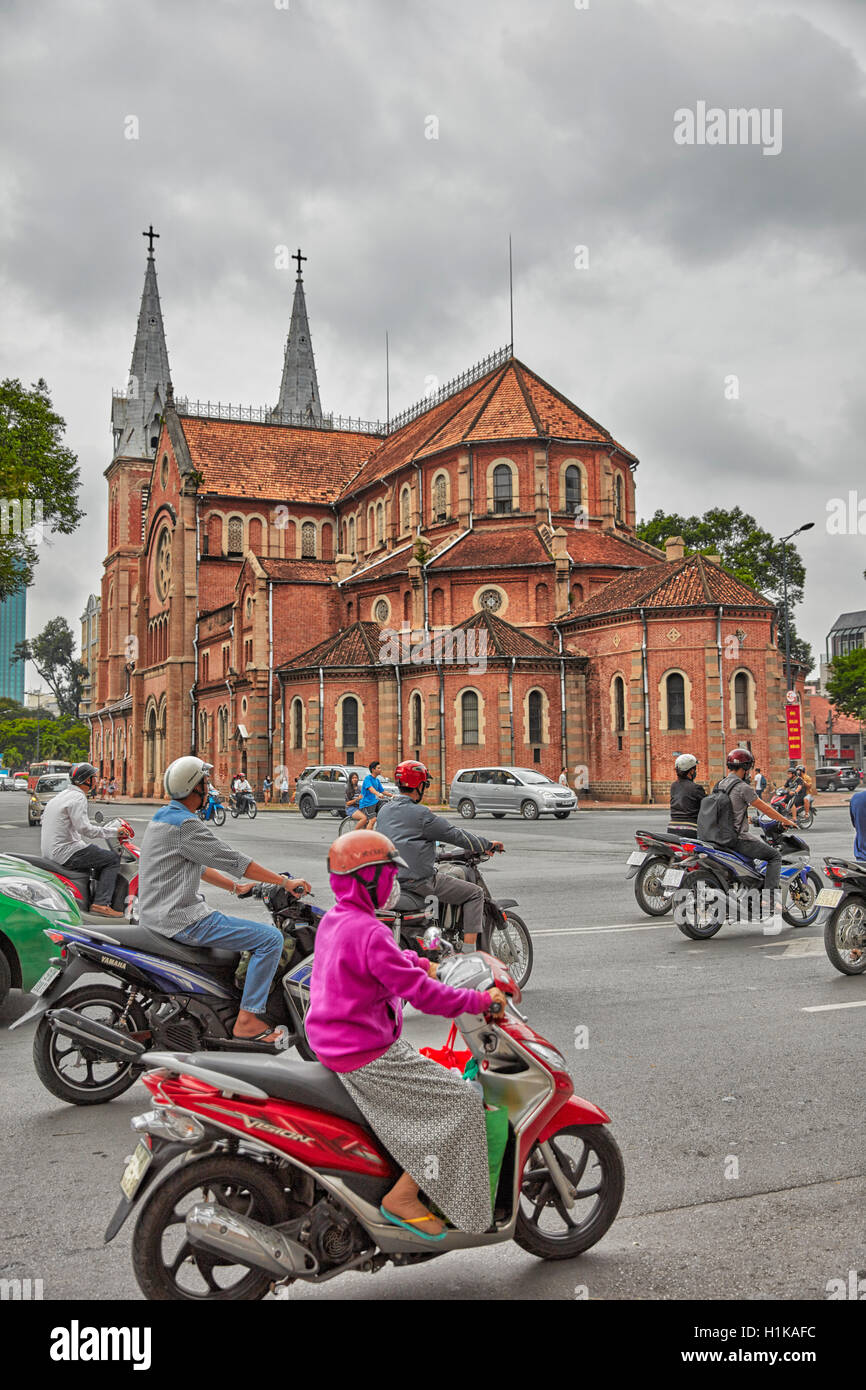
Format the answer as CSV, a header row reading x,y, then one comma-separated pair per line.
x,y
804,815
647,865
242,803
252,1174
169,994
720,885
845,927
213,809
82,882
503,933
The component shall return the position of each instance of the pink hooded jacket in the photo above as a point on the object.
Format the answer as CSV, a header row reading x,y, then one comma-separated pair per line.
x,y
360,975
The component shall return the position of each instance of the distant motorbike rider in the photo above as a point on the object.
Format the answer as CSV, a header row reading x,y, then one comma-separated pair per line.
x,y
177,852
740,762
686,794
415,829
68,832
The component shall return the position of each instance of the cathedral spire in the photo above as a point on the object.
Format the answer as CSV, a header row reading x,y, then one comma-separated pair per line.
x,y
299,389
136,415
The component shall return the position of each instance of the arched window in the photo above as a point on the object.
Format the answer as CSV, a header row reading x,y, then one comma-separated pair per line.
x,y
437,608
440,497
297,723
350,612
502,488
202,729
536,706
351,535
405,514
619,505
380,523
256,536
573,491
350,722
415,711
542,603
676,692
469,717
308,541
741,700
222,729
236,535
371,527
214,535
327,541
407,606
619,705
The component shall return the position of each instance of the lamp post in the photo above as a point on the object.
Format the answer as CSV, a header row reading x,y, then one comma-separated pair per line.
x,y
806,527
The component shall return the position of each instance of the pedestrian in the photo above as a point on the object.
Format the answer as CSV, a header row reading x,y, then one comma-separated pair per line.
x,y
563,777
112,789
760,782
283,787
266,790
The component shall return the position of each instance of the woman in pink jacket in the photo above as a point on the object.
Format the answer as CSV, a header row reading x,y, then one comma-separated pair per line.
x,y
428,1118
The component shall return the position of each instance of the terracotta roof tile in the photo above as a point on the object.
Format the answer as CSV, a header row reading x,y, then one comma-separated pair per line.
x,y
493,548
357,645
237,459
299,571
217,581
591,547
692,582
505,640
819,708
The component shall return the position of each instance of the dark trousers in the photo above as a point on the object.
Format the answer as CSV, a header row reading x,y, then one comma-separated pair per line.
x,y
107,865
752,848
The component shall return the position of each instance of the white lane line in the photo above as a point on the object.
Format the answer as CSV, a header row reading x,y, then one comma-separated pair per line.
x,y
582,931
794,950
825,1008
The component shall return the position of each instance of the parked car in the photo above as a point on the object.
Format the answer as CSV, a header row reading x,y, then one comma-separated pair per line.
x,y
31,901
46,788
323,787
21,782
833,776
7,782
502,791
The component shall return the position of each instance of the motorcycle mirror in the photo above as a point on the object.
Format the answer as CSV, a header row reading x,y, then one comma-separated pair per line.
x,y
99,817
431,938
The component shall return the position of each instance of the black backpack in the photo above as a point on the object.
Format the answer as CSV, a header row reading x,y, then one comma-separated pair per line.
x,y
716,819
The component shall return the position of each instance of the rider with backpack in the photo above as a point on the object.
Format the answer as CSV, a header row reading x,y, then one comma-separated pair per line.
x,y
723,820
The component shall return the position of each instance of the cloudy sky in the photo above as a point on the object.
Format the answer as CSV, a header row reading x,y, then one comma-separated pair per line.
x,y
266,123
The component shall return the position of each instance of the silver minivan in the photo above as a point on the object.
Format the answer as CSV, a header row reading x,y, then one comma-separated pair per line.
x,y
323,787
503,791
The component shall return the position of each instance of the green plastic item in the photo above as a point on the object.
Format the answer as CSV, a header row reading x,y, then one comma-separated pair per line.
x,y
496,1121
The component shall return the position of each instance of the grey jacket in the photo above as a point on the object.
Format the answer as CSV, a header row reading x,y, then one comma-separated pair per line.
x,y
414,830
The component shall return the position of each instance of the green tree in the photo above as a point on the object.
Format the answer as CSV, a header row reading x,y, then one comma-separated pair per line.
x,y
748,551
12,759
38,474
846,686
53,655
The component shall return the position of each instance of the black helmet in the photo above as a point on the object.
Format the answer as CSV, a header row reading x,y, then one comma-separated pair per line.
x,y
80,773
740,758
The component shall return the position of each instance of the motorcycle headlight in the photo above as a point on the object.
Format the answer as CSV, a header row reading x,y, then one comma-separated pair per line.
x,y
545,1053
34,894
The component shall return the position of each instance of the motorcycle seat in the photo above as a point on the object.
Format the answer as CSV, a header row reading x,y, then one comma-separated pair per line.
x,y
137,938
408,904
666,839
305,1083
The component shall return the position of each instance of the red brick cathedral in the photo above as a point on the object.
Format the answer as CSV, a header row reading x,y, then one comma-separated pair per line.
x,y
462,584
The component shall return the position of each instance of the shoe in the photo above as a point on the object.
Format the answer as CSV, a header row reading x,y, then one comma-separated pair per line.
x,y
105,911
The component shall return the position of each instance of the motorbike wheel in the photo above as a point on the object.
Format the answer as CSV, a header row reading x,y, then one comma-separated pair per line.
x,y
512,944
60,1061
701,907
806,821
845,936
219,815
168,1267
234,812
590,1157
648,890
801,911
252,810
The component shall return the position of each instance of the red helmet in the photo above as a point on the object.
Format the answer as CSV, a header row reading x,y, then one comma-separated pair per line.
x,y
740,758
411,775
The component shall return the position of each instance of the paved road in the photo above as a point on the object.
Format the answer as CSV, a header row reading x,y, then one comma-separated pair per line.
x,y
700,1052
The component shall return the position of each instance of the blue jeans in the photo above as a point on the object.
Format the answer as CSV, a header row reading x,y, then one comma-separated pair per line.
x,y
264,942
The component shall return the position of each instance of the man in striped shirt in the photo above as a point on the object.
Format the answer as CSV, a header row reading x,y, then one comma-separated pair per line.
x,y
177,852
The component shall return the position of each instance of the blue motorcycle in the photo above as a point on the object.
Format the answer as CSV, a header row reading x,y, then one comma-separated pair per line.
x,y
213,809
169,995
710,886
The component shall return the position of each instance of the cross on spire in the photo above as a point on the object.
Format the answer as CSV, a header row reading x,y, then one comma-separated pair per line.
x,y
298,257
151,236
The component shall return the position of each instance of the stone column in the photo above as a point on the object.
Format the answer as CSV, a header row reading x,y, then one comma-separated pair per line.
x,y
541,486
464,503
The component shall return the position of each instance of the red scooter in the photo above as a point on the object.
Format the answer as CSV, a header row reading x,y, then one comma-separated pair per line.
x,y
252,1172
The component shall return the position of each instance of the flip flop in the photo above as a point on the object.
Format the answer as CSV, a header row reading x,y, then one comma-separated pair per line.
x,y
411,1224
281,1039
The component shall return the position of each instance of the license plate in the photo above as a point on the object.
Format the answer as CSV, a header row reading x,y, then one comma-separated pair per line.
x,y
673,877
45,980
829,897
135,1170
637,857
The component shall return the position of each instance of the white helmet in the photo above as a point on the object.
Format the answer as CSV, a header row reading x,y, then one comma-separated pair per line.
x,y
685,762
183,776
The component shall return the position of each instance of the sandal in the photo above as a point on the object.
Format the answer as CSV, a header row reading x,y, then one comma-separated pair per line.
x,y
279,1037
412,1223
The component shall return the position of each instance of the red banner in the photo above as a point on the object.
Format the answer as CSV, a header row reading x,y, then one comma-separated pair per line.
x,y
795,731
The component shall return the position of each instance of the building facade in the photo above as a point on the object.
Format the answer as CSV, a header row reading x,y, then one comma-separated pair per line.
x,y
463,584
13,628
89,653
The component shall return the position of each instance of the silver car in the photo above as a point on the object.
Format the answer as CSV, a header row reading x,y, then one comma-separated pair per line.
x,y
502,791
323,787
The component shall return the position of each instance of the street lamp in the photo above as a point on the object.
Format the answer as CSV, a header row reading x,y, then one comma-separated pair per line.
x,y
806,527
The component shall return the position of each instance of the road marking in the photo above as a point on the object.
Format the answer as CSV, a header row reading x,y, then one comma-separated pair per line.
x,y
582,931
794,950
825,1008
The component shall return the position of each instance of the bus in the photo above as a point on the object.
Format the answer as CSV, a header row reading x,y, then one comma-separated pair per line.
x,y
38,770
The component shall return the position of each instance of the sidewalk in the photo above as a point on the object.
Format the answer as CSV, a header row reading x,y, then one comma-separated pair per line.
x,y
822,799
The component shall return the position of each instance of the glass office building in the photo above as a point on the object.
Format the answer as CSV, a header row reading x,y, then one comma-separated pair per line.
x,y
13,620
